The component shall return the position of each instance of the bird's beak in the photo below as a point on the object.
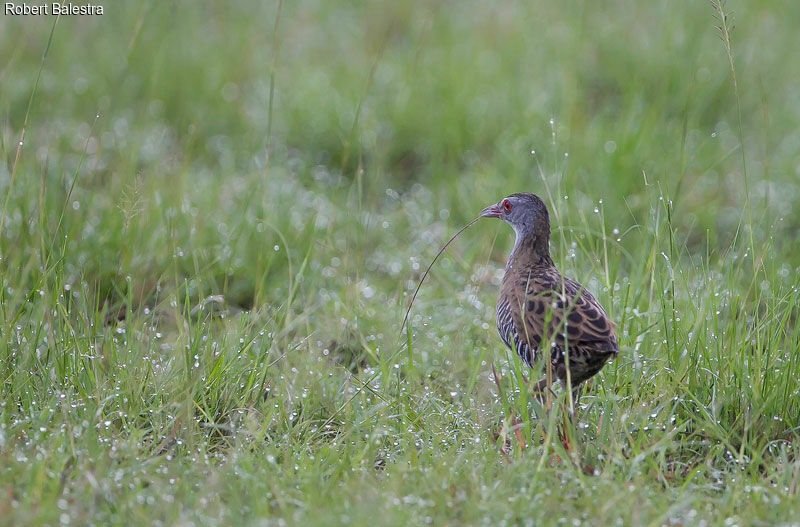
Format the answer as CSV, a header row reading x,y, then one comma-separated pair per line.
x,y
492,211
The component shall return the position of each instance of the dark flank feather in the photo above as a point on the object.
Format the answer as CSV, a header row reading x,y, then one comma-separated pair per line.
x,y
538,305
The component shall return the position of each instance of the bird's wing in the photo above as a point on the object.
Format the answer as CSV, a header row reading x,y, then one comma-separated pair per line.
x,y
553,308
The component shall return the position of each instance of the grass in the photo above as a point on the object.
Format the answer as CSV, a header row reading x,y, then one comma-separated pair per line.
x,y
203,287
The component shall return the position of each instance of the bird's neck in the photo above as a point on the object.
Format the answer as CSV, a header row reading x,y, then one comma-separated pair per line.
x,y
531,250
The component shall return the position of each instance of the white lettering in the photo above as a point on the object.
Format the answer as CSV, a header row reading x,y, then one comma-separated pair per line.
x,y
10,8
76,9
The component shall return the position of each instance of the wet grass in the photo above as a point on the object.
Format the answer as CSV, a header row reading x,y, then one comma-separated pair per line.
x,y
203,287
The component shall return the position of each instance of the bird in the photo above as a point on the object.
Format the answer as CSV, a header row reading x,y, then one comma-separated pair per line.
x,y
538,307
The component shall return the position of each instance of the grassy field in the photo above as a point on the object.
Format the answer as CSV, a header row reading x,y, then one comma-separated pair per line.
x,y
217,216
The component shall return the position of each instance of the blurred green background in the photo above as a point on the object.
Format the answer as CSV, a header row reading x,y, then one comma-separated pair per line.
x,y
267,181
453,97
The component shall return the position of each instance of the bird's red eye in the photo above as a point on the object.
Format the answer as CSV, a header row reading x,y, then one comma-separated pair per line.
x,y
506,205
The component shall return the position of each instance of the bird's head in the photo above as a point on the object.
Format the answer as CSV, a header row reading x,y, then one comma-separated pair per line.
x,y
526,213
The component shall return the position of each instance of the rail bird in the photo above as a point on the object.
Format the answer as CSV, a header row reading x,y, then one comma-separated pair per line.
x,y
538,307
